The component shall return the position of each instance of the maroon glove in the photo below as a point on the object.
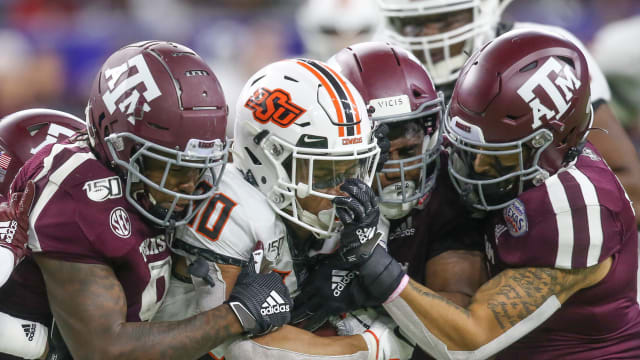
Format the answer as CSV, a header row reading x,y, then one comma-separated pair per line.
x,y
14,222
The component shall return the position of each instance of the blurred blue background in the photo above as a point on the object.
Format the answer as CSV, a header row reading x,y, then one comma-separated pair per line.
x,y
51,50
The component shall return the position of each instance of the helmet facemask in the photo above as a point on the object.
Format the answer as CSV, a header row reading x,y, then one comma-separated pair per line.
x,y
151,168
311,176
456,30
409,175
489,176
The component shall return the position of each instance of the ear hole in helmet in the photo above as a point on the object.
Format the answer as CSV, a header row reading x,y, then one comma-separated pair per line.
x,y
253,157
568,61
33,129
529,66
286,163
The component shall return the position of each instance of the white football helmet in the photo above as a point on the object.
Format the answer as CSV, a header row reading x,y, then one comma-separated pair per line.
x,y
301,129
457,27
327,26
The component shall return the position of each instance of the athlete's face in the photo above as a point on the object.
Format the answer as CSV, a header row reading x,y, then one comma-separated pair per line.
x,y
406,140
326,177
179,179
419,26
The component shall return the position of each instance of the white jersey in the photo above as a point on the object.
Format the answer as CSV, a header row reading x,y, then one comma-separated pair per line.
x,y
599,88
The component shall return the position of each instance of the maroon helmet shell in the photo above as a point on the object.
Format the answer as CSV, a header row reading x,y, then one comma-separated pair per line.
x,y
526,92
398,90
153,98
25,132
162,92
522,81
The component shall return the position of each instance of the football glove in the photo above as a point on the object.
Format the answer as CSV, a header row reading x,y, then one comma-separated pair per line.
x,y
14,222
260,301
359,214
381,134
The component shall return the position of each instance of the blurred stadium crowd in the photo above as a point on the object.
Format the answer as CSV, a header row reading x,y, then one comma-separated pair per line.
x,y
51,49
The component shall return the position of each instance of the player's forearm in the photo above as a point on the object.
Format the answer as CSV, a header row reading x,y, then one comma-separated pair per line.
x,y
158,340
301,341
452,324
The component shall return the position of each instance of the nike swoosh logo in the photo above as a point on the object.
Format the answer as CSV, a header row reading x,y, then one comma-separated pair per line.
x,y
310,139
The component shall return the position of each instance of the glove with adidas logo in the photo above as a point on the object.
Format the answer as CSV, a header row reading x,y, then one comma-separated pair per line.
x,y
14,222
260,301
359,214
324,293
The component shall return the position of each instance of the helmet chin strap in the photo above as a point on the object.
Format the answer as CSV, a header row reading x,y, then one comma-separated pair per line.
x,y
323,220
151,205
397,210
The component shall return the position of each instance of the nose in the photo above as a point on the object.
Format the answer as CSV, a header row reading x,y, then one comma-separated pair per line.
x,y
483,165
187,185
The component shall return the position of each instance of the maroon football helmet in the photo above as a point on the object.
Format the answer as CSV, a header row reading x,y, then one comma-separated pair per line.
x,y
159,100
398,92
25,132
520,111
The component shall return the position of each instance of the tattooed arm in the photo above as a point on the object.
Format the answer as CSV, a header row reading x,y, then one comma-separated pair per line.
x,y
89,305
498,305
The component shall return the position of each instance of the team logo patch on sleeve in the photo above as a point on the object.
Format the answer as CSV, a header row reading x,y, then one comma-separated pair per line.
x,y
120,223
516,218
103,189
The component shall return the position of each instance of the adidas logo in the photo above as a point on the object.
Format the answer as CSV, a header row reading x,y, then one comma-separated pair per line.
x,y
340,279
365,234
274,304
405,229
7,230
29,331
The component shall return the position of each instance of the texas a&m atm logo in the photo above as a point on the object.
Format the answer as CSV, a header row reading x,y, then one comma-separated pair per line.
x,y
273,105
133,100
560,90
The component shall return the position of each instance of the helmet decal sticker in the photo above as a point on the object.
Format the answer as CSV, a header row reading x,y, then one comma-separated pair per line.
x,y
273,105
568,84
341,97
132,101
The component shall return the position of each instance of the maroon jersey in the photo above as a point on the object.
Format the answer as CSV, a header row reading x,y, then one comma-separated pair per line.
x,y
80,215
579,217
442,224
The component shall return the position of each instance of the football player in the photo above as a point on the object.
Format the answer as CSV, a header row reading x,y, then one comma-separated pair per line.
x,y
303,139
561,240
442,34
107,204
431,233
21,135
326,26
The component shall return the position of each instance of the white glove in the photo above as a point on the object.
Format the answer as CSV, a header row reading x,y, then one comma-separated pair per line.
x,y
384,343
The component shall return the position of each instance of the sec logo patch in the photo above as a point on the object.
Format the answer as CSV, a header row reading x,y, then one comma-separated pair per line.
x,y
515,218
120,223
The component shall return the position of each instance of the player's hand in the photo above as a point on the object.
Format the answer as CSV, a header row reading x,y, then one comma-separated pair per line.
x,y
260,301
381,134
14,222
359,214
326,292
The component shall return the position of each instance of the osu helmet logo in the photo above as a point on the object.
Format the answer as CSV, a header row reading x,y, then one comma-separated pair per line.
x,y
273,105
